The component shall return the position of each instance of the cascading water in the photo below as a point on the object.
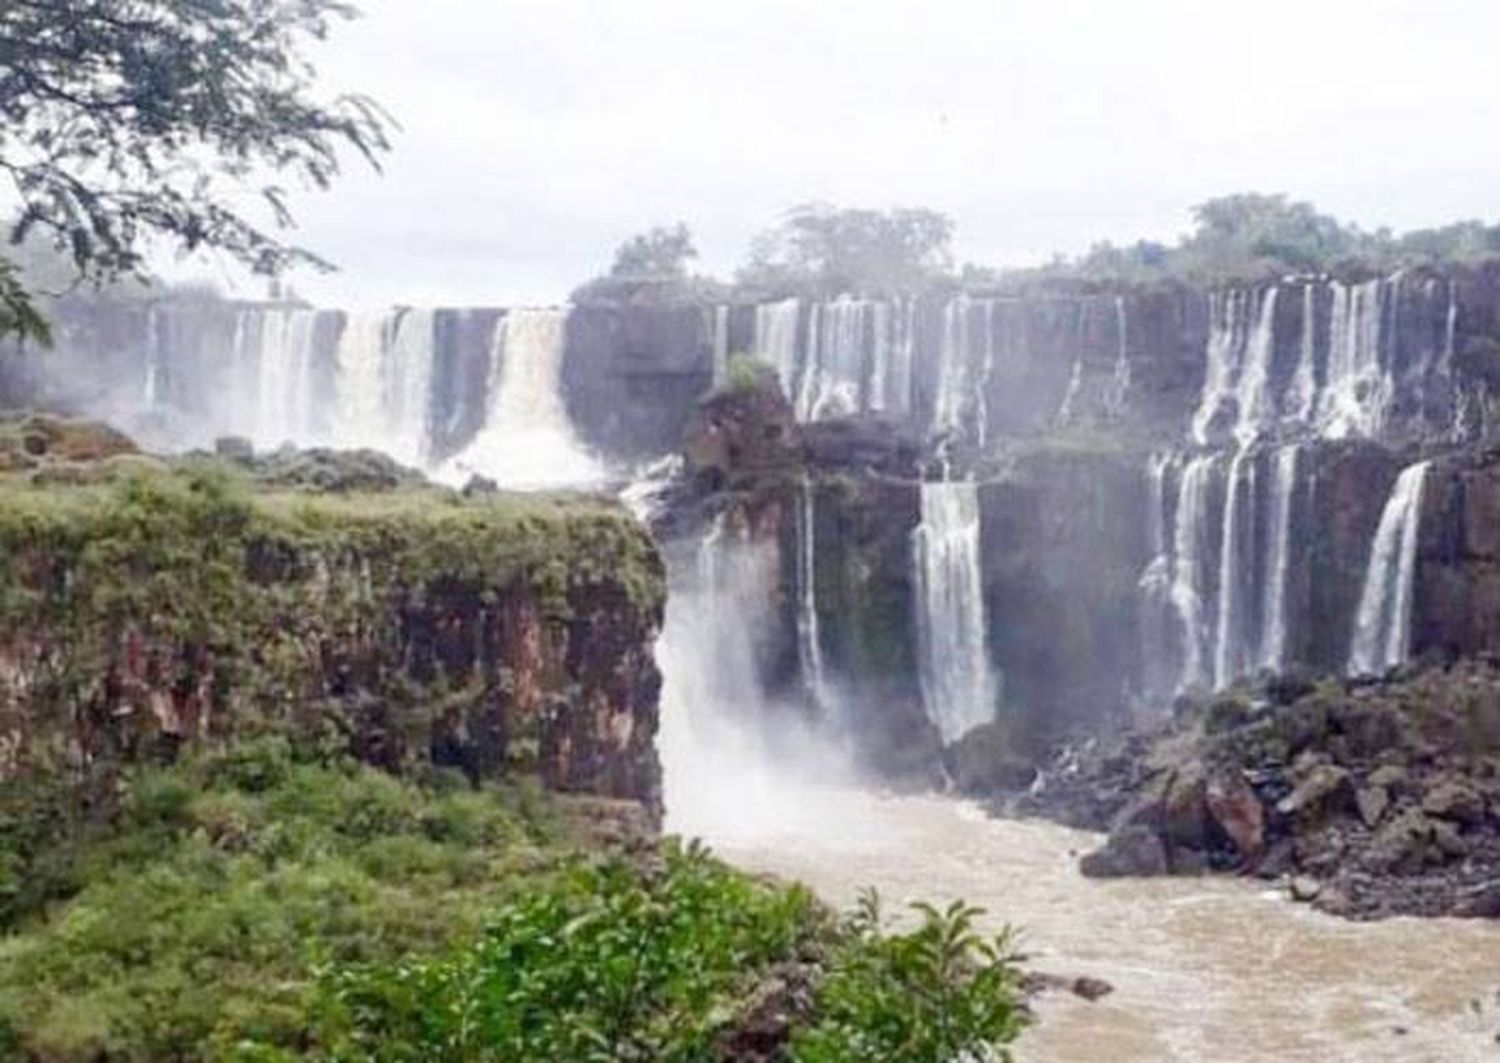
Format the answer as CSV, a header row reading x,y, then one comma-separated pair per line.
x,y
285,389
776,340
960,687
1190,556
1119,390
953,392
1238,356
1382,626
1236,571
721,346
1273,636
361,418
405,374
809,638
1357,390
527,440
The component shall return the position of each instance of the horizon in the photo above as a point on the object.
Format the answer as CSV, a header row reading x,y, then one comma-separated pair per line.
x,y
1040,132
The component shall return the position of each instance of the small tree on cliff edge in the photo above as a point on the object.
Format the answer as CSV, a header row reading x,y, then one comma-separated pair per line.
x,y
127,122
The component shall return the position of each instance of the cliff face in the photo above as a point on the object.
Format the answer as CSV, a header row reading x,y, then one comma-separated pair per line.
x,y
146,608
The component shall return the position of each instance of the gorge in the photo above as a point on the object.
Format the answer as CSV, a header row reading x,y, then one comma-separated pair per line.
x,y
931,542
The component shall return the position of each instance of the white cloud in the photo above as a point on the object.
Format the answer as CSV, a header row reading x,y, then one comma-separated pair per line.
x,y
539,133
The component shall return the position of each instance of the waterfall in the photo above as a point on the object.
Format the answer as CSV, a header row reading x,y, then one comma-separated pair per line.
x,y
1190,548
960,688
151,382
833,370
721,346
776,341
1155,582
285,388
1065,410
952,375
1119,390
527,440
1252,393
405,362
1357,389
1236,570
1273,636
893,393
809,639
361,418
1237,364
1302,393
1382,626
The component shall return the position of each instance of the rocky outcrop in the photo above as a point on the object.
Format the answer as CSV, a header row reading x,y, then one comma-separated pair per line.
x,y
149,608
1371,799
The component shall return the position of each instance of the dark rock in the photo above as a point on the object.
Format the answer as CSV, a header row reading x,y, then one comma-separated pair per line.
x,y
1238,812
235,448
1324,790
1372,801
1134,849
1455,800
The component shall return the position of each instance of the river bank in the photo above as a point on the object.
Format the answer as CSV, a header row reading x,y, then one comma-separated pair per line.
x,y
1203,968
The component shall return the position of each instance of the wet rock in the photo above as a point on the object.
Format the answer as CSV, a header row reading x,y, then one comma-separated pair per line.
x,y
1372,801
1325,789
1083,986
1390,777
1133,849
1238,812
235,448
1454,800
1402,843
1304,888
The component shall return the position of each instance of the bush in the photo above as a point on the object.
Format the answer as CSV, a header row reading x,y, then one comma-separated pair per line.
x,y
939,993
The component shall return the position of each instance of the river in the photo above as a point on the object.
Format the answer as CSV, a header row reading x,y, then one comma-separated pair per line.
x,y
1204,969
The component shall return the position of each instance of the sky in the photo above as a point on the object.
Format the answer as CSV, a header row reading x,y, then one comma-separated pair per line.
x,y
536,135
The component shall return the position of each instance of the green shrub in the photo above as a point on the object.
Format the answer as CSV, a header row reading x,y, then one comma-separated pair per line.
x,y
941,992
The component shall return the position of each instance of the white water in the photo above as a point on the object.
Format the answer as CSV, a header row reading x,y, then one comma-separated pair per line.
x,y
527,440
1236,570
1237,369
953,390
809,638
1119,391
1382,626
1189,568
1358,388
721,346
285,388
1273,636
776,340
405,375
960,687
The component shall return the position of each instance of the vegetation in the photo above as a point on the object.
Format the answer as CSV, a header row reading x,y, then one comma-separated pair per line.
x,y
265,903
196,907
1251,236
824,250
127,123
652,267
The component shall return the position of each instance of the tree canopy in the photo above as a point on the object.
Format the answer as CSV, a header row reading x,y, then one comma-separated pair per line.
x,y
129,122
831,251
660,253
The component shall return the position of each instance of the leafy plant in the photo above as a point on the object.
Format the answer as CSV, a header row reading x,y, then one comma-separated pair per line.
x,y
939,993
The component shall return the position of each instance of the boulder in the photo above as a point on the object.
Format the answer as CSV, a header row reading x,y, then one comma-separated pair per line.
x,y
1372,801
1238,812
1453,799
1305,888
1402,844
1133,849
1325,789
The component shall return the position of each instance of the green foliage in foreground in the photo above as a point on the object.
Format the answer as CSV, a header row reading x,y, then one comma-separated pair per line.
x,y
199,915
614,965
259,904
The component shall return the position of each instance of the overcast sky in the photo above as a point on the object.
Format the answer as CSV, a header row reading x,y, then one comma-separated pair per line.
x,y
538,134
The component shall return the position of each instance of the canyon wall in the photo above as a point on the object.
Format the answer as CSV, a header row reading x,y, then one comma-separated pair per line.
x,y
1175,487
147,607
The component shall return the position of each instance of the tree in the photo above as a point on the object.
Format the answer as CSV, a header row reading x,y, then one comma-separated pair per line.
x,y
127,123
868,252
661,253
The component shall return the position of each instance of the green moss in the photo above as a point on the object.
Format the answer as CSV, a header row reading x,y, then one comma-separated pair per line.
x,y
246,606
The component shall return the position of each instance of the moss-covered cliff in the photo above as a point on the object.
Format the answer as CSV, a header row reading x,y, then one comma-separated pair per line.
x,y
144,607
